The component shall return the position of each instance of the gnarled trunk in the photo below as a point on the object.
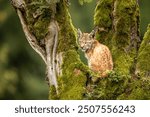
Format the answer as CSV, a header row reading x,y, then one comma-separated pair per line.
x,y
49,30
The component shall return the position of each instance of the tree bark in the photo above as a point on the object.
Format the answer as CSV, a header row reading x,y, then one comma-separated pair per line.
x,y
49,30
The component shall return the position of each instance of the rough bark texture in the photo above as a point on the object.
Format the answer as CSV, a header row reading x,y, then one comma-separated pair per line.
x,y
71,73
118,22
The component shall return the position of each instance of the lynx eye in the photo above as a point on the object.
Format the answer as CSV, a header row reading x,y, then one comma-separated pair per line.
x,y
88,41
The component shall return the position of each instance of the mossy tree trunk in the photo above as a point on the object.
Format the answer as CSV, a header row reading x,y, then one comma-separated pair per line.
x,y
118,22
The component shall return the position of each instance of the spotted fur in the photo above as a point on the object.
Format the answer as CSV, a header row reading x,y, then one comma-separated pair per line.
x,y
98,55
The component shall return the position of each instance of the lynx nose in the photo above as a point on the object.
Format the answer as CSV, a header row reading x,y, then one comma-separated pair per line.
x,y
82,46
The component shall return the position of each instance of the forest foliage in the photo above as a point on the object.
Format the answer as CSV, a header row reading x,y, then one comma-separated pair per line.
x,y
22,72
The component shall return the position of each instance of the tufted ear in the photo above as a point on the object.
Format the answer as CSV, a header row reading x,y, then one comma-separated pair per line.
x,y
93,32
79,34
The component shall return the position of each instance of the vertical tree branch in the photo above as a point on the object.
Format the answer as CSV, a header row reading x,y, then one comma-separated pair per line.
x,y
51,41
31,38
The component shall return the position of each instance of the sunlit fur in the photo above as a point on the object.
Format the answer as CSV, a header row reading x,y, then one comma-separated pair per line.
x,y
98,55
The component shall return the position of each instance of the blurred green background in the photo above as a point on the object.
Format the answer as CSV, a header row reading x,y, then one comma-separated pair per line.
x,y
22,71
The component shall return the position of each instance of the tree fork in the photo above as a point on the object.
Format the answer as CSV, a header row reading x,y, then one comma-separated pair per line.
x,y
48,53
118,24
66,72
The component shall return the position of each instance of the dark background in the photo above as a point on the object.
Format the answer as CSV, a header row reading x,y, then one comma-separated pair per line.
x,y
22,71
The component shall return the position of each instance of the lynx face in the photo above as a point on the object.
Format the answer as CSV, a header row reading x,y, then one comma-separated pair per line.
x,y
85,41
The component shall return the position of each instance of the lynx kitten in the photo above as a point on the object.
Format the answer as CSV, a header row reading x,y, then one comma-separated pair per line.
x,y
98,55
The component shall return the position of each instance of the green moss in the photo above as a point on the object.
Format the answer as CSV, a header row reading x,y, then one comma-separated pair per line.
x,y
119,86
39,25
67,38
53,94
102,13
143,65
72,83
137,90
125,17
120,21
73,80
122,61
117,22
119,18
103,19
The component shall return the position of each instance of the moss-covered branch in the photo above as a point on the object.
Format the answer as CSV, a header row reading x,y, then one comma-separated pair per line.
x,y
40,18
143,65
118,24
119,20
